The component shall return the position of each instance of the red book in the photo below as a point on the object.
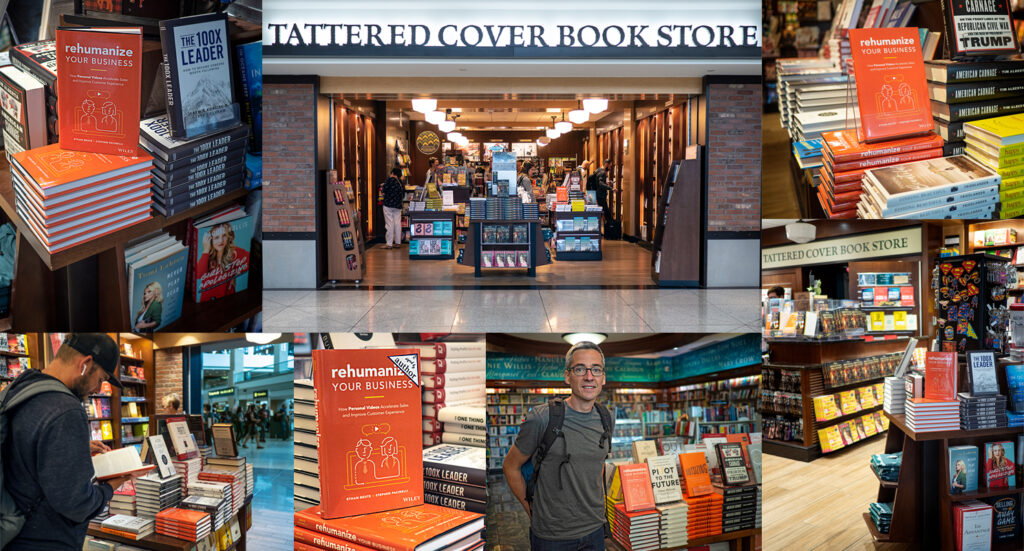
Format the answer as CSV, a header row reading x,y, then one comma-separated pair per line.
x,y
371,444
695,474
848,177
322,541
906,296
99,71
940,376
875,162
844,146
892,92
637,492
412,529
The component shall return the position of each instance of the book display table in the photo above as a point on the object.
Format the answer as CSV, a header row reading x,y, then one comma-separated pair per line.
x,y
578,235
744,541
160,542
431,235
491,243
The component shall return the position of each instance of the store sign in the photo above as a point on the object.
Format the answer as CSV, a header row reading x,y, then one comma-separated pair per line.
x,y
844,249
222,392
730,29
740,351
513,367
257,394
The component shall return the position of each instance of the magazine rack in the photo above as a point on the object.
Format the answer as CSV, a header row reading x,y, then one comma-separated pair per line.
x,y
346,251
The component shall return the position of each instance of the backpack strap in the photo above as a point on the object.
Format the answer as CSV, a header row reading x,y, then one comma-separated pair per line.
x,y
606,425
556,417
8,403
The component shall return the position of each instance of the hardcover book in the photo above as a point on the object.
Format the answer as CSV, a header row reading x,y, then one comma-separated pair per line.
x,y
157,269
947,71
940,376
981,372
99,70
368,407
695,474
421,528
733,464
197,73
23,102
892,93
999,466
963,469
250,67
642,449
664,478
845,147
637,492
1006,522
973,525
221,254
974,29
39,59
173,153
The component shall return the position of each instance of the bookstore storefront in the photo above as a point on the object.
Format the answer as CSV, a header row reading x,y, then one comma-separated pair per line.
x,y
358,92
917,343
191,482
676,399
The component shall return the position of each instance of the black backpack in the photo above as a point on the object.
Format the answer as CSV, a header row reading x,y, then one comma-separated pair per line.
x,y
556,416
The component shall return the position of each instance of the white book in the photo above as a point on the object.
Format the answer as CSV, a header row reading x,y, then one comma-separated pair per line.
x,y
664,479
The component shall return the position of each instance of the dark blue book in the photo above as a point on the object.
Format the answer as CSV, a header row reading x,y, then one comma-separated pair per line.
x,y
250,67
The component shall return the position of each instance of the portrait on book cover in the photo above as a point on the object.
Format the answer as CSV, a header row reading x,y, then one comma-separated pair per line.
x,y
222,267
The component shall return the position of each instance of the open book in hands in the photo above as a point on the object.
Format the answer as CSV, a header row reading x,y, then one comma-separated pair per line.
x,y
119,462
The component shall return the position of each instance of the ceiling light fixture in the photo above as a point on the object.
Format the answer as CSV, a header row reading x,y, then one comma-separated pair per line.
x,y
553,110
563,125
553,132
801,232
424,105
446,126
262,338
575,338
454,136
579,116
434,117
595,105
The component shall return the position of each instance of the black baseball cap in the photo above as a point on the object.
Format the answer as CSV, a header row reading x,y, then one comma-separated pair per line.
x,y
103,350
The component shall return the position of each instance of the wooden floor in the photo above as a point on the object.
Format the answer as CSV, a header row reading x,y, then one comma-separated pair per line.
x,y
624,264
778,194
819,505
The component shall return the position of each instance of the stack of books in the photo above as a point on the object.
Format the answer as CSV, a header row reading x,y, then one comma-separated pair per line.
x,y
895,399
71,197
808,153
636,531
219,509
154,494
887,465
307,471
455,476
127,526
220,492
123,502
998,144
982,412
156,280
453,377
24,116
924,415
189,172
881,515
846,159
420,527
250,479
739,507
231,475
184,524
39,59
704,516
757,514
957,187
965,91
189,471
672,527
812,92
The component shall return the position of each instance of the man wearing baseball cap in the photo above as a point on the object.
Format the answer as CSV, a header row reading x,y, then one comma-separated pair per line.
x,y
47,463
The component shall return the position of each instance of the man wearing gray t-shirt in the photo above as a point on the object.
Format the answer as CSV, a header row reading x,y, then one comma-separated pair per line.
x,y
568,510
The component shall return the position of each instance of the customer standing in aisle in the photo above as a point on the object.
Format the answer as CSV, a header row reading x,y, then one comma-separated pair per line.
x,y
567,510
251,420
47,466
394,192
598,181
525,180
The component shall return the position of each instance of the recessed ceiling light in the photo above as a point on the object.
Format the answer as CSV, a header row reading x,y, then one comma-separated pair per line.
x,y
424,105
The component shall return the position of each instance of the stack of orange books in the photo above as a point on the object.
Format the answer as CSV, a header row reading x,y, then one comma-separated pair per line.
x,y
421,528
184,524
704,518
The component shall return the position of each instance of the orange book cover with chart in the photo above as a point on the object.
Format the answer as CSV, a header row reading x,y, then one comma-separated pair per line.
x,y
370,441
99,73
892,92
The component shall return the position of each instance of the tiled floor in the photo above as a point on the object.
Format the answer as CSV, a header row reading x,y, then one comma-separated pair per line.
x,y
627,310
272,495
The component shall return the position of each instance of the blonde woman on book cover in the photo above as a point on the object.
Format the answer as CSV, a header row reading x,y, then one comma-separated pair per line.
x,y
220,254
959,481
999,467
151,312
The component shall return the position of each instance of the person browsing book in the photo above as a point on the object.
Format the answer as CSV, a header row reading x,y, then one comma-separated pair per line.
x,y
598,181
394,193
525,180
47,463
567,508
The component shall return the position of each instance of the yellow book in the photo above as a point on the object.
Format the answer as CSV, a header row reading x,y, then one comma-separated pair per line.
x,y
578,205
994,160
900,320
1005,130
849,402
615,489
867,397
1007,213
992,150
830,439
107,430
877,321
1012,184
869,425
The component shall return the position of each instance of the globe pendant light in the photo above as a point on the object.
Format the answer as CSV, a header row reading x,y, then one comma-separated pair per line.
x,y
595,105
424,105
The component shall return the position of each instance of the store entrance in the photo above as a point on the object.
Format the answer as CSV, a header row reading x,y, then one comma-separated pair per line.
x,y
546,190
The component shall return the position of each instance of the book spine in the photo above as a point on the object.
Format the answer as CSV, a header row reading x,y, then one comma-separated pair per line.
x,y
431,438
373,541
464,439
983,91
953,148
979,198
457,474
979,110
454,394
955,73
451,350
226,162
473,415
321,541
199,189
915,197
461,491
465,428
213,146
455,503
235,148
170,53
875,162
839,161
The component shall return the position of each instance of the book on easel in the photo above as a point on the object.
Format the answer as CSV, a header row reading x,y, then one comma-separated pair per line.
x,y
224,443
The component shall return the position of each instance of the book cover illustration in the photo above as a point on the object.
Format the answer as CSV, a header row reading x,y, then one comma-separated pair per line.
x,y
892,93
943,172
371,454
222,256
637,491
23,103
100,73
197,73
157,285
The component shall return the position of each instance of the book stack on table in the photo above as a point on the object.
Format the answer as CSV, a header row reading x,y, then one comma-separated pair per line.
x,y
184,524
998,143
127,526
153,494
455,476
982,412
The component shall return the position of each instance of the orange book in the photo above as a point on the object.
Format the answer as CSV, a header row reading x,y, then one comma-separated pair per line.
x,y
897,159
849,177
695,474
843,146
54,170
637,492
940,376
892,92
371,445
409,529
322,541
99,73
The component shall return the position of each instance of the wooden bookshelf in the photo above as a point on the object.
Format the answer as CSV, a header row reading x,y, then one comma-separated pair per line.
x,y
142,348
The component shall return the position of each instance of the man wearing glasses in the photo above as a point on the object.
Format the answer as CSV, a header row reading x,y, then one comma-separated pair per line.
x,y
47,463
567,506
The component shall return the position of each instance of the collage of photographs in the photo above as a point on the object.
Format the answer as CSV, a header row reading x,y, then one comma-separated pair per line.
x,y
577,275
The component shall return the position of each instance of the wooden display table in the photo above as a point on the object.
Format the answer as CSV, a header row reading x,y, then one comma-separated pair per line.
x,y
160,542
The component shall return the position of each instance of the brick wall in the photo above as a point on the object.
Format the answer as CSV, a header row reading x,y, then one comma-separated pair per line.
x,y
168,375
734,157
289,148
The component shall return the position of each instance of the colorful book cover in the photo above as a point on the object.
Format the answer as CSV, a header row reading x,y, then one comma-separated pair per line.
x,y
221,256
940,376
637,491
371,451
1015,384
1007,517
23,104
197,73
695,474
892,92
664,479
978,28
410,529
100,71
157,286
963,469
57,170
999,466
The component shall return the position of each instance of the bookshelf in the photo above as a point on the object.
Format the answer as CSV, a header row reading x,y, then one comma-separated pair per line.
x,y
43,293
875,277
432,235
677,240
477,247
132,408
346,249
579,242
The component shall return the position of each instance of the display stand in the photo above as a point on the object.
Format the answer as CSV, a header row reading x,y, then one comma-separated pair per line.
x,y
920,501
160,542
855,288
592,220
431,235
677,241
476,248
346,251
807,358
977,284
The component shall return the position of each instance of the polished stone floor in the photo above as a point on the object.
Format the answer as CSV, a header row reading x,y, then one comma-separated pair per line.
x,y
272,519
605,310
